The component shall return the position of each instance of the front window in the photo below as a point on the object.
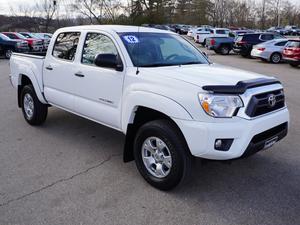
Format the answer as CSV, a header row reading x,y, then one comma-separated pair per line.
x,y
293,44
3,37
26,35
160,49
97,44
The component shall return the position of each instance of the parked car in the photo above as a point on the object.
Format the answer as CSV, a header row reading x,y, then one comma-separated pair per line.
x,y
270,51
164,27
8,46
292,30
46,41
221,45
159,90
216,32
279,30
291,53
44,35
244,43
181,29
33,43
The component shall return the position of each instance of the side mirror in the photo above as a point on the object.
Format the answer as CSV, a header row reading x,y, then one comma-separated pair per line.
x,y
109,61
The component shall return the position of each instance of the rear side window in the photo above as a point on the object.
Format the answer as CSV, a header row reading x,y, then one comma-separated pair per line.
x,y
250,37
97,44
282,43
66,45
293,44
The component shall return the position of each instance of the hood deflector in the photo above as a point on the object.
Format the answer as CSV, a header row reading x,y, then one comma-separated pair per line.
x,y
241,86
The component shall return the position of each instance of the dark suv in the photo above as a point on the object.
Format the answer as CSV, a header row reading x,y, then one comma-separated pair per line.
x,y
243,43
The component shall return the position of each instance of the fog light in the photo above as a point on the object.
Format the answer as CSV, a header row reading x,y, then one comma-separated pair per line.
x,y
223,144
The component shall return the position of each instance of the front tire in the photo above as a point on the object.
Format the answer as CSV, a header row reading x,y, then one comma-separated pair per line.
x,y
34,112
275,58
161,154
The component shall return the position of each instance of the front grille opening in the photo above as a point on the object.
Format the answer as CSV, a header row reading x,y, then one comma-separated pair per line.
x,y
269,133
259,104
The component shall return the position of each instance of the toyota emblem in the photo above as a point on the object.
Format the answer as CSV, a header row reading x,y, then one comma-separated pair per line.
x,y
271,100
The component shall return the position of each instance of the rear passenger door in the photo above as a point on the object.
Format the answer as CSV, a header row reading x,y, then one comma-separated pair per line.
x,y
59,70
99,89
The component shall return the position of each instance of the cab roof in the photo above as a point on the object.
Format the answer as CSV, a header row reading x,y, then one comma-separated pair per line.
x,y
114,28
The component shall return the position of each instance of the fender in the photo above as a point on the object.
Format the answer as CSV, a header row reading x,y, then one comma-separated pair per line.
x,y
31,76
153,101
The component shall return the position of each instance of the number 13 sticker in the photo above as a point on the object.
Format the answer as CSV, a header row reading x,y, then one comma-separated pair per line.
x,y
131,39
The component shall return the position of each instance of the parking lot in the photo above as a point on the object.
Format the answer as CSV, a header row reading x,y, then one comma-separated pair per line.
x,y
70,171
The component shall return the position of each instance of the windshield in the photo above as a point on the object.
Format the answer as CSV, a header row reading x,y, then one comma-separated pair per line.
x,y
160,49
26,35
3,37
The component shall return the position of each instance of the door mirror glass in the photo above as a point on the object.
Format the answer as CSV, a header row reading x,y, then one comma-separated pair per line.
x,y
108,61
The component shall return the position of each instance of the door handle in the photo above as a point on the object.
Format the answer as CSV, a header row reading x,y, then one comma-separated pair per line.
x,y
79,74
49,67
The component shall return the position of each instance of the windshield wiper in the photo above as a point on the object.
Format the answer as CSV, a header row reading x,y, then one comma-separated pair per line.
x,y
192,62
158,64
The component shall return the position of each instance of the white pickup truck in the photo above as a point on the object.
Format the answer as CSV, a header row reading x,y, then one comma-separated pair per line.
x,y
159,90
202,35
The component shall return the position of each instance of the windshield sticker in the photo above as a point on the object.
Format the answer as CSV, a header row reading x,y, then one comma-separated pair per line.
x,y
131,39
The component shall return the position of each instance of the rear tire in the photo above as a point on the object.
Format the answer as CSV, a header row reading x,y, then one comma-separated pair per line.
x,y
161,154
224,50
8,54
294,64
34,112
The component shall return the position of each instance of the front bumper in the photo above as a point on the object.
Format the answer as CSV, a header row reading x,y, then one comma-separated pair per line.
x,y
201,136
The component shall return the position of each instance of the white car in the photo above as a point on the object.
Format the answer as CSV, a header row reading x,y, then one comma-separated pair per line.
x,y
270,51
159,90
202,35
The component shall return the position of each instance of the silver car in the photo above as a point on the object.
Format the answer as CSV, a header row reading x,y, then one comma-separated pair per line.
x,y
270,51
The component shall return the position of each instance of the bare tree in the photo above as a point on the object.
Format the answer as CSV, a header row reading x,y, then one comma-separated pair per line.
x,y
46,9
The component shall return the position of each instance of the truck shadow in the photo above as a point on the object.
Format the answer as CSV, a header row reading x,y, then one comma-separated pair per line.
x,y
263,183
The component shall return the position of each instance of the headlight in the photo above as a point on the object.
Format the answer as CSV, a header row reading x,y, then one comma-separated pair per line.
x,y
218,105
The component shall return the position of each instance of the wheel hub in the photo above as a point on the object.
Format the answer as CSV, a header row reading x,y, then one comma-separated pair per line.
x,y
156,157
28,106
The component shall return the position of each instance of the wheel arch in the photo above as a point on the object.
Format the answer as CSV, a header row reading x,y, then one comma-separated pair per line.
x,y
25,79
139,114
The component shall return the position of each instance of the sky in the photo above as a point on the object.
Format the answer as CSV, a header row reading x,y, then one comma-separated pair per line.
x,y
5,4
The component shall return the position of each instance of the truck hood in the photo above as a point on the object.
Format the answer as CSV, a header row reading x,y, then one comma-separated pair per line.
x,y
203,74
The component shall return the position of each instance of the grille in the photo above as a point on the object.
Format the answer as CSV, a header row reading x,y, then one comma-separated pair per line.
x,y
260,104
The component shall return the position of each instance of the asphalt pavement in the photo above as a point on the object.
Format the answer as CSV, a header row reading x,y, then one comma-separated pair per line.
x,y
70,172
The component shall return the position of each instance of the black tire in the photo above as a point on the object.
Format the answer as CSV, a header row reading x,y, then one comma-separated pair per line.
x,y
179,152
203,43
8,53
294,64
245,55
40,110
224,50
275,58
